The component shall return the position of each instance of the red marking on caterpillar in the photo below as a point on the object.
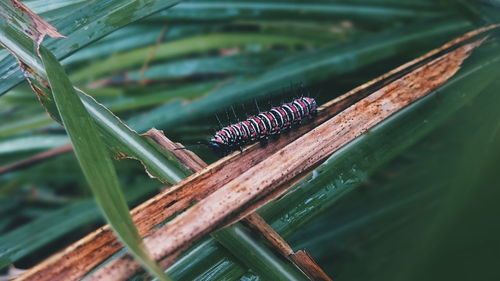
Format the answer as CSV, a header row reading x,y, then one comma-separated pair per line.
x,y
262,126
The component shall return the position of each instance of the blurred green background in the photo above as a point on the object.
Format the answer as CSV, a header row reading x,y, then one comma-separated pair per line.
x,y
415,198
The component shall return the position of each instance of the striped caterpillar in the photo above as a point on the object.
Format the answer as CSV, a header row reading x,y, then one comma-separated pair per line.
x,y
263,125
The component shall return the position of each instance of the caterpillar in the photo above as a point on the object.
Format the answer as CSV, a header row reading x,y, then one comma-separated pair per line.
x,y
263,125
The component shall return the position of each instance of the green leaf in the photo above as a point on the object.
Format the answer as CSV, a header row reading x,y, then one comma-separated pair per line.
x,y
29,143
206,250
18,126
95,162
368,11
262,260
180,48
220,65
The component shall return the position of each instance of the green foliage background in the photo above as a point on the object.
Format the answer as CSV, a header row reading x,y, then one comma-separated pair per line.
x,y
415,198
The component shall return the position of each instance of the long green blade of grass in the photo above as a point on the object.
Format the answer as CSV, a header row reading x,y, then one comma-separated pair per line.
x,y
31,143
95,161
367,11
238,240
180,48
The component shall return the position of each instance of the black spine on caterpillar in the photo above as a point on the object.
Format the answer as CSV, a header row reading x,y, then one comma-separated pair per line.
x,y
263,125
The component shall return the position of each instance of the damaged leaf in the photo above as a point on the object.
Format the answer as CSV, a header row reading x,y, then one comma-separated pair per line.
x,y
29,22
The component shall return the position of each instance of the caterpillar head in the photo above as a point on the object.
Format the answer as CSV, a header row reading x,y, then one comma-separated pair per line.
x,y
218,147
215,144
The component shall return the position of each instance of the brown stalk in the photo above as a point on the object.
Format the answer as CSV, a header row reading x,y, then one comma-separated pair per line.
x,y
309,266
301,258
224,190
186,157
